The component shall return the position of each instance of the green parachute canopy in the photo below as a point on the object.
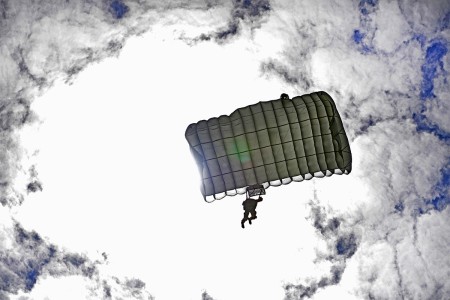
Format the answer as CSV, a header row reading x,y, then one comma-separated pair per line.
x,y
270,143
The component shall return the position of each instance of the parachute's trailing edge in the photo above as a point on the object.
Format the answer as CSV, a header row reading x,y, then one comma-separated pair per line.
x,y
270,143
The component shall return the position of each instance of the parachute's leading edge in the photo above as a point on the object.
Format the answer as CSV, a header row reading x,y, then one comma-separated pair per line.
x,y
270,143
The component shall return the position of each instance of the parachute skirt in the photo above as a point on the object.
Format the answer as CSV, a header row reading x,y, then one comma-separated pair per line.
x,y
271,143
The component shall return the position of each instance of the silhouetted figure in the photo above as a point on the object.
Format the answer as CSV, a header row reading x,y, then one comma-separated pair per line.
x,y
250,208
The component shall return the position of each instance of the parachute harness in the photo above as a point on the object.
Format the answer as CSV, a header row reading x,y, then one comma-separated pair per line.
x,y
255,190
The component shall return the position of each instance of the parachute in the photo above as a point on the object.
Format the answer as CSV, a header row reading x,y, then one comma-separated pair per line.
x,y
270,143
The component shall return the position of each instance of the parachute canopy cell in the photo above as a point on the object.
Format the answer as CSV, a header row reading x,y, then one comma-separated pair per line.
x,y
270,143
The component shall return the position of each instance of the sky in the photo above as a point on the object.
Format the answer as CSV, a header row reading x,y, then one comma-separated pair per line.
x,y
100,196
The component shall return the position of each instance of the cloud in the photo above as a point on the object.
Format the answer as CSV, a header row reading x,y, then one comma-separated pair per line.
x,y
45,41
342,240
390,84
26,259
206,296
249,13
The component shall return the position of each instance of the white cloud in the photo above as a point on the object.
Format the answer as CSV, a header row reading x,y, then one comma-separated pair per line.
x,y
392,28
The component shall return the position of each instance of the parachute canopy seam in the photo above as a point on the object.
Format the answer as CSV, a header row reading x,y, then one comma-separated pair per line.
x,y
220,167
292,137
228,158
203,155
237,148
318,110
247,147
303,140
270,140
281,140
259,144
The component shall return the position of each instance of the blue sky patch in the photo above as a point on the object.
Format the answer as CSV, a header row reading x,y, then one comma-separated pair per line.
x,y
367,6
433,60
346,245
420,38
363,36
357,36
440,202
118,9
424,125
31,279
399,207
433,63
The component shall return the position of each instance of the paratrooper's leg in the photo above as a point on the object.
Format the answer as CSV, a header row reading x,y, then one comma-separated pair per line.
x,y
245,218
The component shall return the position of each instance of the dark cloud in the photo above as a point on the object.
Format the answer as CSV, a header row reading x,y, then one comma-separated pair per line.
x,y
293,67
106,290
31,258
276,68
346,245
325,226
24,70
342,243
34,186
135,286
14,114
206,296
249,13
300,291
21,266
